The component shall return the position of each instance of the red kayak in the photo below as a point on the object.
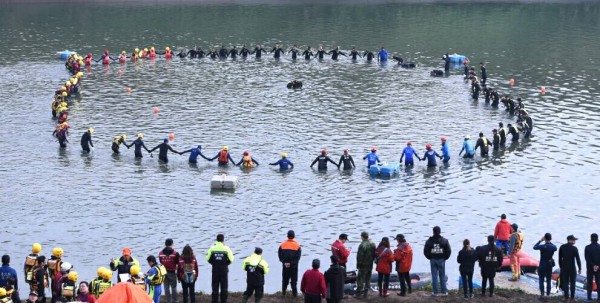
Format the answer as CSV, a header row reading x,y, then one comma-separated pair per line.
x,y
528,263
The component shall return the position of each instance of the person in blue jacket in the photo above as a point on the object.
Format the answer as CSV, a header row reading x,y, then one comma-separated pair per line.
x,y
284,163
445,150
408,151
547,250
382,55
7,272
430,155
372,157
194,153
468,148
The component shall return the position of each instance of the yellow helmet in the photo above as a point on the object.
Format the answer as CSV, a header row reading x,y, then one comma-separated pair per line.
x,y
2,292
36,248
73,276
100,270
62,109
225,147
140,135
79,74
64,104
123,136
123,52
80,62
152,48
63,88
91,130
64,124
64,94
136,50
135,270
106,274
284,155
57,252
73,80
145,49
167,48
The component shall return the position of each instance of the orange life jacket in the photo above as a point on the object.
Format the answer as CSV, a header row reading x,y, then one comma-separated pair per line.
x,y
247,162
223,157
169,54
106,60
88,61
152,54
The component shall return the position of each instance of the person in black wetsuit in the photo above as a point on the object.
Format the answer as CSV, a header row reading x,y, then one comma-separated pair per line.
x,y
193,53
567,256
514,132
294,51
308,53
475,89
164,148
496,139
484,144
320,53
354,54
335,53
223,52
200,53
483,72
466,69
511,106
346,158
138,144
244,52
504,101
213,53
398,58
369,54
117,141
487,93
182,54
258,50
494,97
323,159
233,52
277,51
503,133
86,140
446,59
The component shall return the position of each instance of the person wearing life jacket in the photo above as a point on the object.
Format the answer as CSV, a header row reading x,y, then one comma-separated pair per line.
x,y
84,295
86,140
187,271
194,153
515,244
484,144
137,278
163,150
155,277
39,278
122,57
143,54
103,284
524,128
284,163
445,150
323,159
247,161
124,263
54,268
223,157
467,148
169,258
79,76
138,144
62,114
60,277
94,282
168,55
430,155
12,291
69,88
514,132
76,67
372,157
152,53
347,160
62,132
75,83
68,289
4,298
54,105
69,61
117,141
105,58
408,151
256,268
503,133
88,59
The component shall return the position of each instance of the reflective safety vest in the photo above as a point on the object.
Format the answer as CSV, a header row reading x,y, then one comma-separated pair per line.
x,y
29,264
54,265
6,299
139,282
247,162
161,272
98,287
516,129
68,291
485,141
223,156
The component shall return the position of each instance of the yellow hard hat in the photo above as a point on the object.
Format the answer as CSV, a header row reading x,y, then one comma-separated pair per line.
x,y
63,88
57,252
284,155
152,48
64,104
106,274
73,276
2,292
225,147
123,136
79,74
100,270
145,49
135,270
80,62
73,80
167,48
64,94
68,83
63,124
36,248
123,52
136,50
140,135
91,130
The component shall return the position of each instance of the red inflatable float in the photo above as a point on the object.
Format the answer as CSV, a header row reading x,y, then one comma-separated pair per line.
x,y
528,263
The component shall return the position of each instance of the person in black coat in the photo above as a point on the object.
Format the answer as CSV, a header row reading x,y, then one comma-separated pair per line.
x,y
490,259
592,264
467,258
335,277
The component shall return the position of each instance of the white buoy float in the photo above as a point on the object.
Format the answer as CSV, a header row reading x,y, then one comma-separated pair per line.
x,y
224,182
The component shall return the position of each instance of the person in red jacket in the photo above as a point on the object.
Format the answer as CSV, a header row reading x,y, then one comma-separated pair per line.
x,y
403,255
502,233
339,250
313,284
384,257
169,258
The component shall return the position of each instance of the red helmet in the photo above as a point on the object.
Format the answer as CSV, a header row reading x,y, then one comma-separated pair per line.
x,y
428,146
374,148
246,153
324,152
89,54
409,143
443,139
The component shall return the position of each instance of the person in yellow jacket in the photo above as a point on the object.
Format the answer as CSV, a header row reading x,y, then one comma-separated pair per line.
x,y
102,283
219,256
155,277
256,268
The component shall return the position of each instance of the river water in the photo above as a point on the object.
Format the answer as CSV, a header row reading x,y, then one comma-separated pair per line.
x,y
94,205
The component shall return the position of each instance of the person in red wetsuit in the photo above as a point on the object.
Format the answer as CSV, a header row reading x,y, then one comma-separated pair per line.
x,y
502,233
340,251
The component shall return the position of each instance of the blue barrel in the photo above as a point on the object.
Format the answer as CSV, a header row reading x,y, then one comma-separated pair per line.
x,y
64,54
456,58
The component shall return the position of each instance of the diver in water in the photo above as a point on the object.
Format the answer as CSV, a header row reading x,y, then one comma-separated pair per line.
x,y
278,51
163,149
223,52
294,51
258,50
335,53
323,159
233,52
182,54
244,52
369,55
321,53
354,54
347,160
194,153
213,53
86,140
138,144
308,53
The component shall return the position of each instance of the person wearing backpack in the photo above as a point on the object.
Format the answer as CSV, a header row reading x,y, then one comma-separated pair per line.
x,y
30,262
256,268
187,270
384,257
155,277
170,259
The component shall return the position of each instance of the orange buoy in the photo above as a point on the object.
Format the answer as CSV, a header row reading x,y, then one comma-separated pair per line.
x,y
511,82
171,137
155,110
543,90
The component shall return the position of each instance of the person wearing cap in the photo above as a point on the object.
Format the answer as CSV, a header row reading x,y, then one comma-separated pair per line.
x,y
467,148
547,250
194,153
163,150
592,265
123,264
284,163
568,254
384,257
430,155
408,151
138,144
347,160
223,157
289,255
33,297
86,140
502,233
219,256
490,259
339,250
335,277
515,245
437,250
313,284
256,268
323,158
372,157
117,142
445,150
483,144
403,255
169,257
54,271
364,264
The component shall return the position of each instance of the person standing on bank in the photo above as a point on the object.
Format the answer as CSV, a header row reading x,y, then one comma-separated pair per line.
x,y
364,264
437,250
313,284
567,256
547,250
467,258
592,264
335,277
339,250
490,259
403,255
384,257
219,256
169,258
256,268
502,233
289,255
515,244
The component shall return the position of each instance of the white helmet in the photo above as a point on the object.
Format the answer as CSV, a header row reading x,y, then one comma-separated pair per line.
x,y
66,266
